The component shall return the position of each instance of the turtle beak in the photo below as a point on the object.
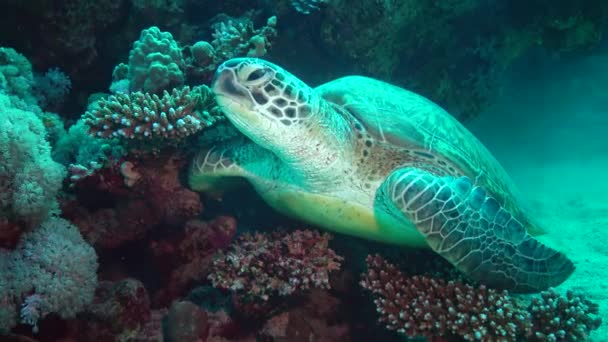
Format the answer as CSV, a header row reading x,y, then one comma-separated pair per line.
x,y
224,84
233,99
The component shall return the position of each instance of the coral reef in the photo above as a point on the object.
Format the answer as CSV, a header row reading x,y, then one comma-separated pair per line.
x,y
313,321
133,208
119,249
260,266
29,177
143,117
232,37
16,77
563,318
118,312
155,62
186,322
52,270
433,307
188,259
51,88
423,306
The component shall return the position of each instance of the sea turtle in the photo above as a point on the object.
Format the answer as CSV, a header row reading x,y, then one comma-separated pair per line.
x,y
366,158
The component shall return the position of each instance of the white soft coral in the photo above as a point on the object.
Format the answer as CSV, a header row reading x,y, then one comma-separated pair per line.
x,y
29,178
53,270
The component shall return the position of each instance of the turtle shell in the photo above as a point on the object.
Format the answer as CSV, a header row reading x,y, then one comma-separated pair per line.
x,y
404,119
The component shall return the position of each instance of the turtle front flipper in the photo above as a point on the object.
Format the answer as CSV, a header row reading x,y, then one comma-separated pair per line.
x,y
224,166
468,227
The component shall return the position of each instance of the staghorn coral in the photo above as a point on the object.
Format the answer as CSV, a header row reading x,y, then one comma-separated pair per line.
x,y
558,318
432,307
424,306
260,266
149,120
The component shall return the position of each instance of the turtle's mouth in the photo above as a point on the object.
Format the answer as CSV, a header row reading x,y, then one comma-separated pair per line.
x,y
224,84
232,98
238,112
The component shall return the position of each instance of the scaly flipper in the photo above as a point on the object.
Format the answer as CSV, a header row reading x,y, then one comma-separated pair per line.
x,y
215,168
469,228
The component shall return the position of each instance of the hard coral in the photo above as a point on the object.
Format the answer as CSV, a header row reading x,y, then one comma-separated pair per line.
x,y
316,320
155,62
431,307
116,213
119,311
186,322
568,318
424,306
259,266
232,37
188,260
144,117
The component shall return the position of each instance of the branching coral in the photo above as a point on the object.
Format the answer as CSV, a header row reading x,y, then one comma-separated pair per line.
x,y
424,306
259,266
237,37
559,318
432,307
149,119
232,37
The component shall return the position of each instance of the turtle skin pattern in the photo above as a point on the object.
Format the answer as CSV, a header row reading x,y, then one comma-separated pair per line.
x,y
469,228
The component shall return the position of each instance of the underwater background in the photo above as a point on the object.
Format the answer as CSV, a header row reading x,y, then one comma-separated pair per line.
x,y
102,239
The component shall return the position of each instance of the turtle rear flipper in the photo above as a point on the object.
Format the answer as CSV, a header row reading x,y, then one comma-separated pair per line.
x,y
469,228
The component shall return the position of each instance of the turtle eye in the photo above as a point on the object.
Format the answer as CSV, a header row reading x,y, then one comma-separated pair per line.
x,y
256,75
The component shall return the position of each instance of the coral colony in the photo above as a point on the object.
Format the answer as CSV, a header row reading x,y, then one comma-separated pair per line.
x,y
102,240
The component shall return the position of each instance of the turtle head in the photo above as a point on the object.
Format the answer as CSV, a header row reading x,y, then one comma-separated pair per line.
x,y
266,103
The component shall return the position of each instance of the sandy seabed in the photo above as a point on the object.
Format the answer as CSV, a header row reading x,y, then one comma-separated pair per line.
x,y
549,129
